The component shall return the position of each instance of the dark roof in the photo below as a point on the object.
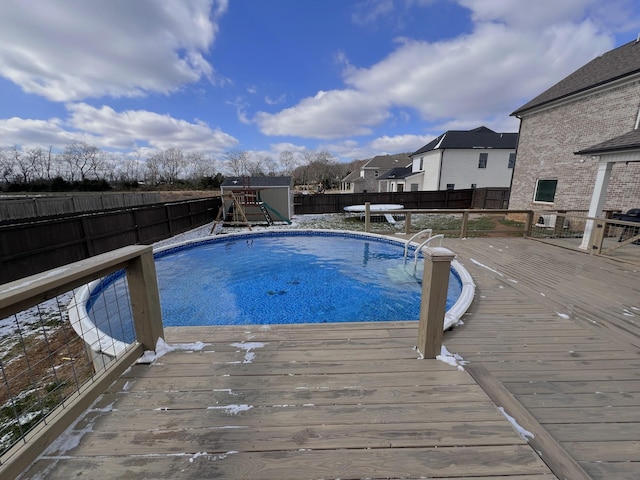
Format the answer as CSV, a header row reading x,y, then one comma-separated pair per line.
x,y
398,173
388,161
256,182
352,176
625,142
481,137
608,67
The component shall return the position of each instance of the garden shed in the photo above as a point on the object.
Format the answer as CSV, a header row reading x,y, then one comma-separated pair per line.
x,y
262,199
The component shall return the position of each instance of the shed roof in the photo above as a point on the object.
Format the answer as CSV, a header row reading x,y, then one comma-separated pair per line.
x,y
616,64
481,137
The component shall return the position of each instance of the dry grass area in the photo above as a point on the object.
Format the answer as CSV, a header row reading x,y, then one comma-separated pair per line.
x,y
177,195
38,374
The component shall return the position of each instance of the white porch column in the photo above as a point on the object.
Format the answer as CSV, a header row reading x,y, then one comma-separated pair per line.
x,y
597,199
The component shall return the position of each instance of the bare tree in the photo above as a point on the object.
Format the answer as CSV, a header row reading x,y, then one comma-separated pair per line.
x,y
288,162
167,164
6,167
173,164
81,158
200,166
153,169
25,163
237,162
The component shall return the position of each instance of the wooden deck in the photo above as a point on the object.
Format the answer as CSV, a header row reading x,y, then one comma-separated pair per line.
x,y
552,338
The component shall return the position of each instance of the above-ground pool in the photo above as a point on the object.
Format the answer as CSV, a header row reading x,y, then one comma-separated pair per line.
x,y
274,277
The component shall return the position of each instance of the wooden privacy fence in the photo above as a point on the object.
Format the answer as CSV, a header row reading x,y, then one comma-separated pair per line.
x,y
20,206
33,246
459,199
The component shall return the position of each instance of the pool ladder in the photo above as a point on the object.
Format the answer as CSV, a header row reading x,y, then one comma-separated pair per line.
x,y
429,239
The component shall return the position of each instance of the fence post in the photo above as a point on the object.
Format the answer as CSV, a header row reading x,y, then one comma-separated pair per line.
x,y
367,217
433,303
145,299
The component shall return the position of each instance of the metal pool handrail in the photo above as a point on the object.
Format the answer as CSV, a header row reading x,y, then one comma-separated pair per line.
x,y
440,236
406,245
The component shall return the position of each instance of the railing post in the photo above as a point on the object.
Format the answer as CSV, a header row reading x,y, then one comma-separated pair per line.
x,y
435,283
145,299
407,223
597,236
465,224
558,228
528,224
367,217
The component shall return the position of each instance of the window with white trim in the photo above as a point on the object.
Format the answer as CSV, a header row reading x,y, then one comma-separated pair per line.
x,y
545,190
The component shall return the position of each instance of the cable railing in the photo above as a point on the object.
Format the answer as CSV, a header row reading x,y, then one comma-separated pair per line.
x,y
48,373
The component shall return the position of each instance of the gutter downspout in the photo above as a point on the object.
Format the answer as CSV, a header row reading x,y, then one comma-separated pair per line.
x,y
440,169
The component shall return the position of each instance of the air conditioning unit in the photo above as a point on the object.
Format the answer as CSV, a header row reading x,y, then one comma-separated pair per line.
x,y
549,221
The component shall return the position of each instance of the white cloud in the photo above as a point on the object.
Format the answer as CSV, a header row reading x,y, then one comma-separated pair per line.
x,y
32,133
74,49
126,129
473,79
368,11
108,129
527,14
332,114
399,143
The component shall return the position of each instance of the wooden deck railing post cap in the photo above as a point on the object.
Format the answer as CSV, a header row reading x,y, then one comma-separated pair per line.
x,y
438,254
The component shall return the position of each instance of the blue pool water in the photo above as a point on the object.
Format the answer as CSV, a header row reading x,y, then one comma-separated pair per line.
x,y
277,277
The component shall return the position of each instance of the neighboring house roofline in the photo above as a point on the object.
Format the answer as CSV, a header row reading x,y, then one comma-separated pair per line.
x,y
398,173
477,138
380,162
620,65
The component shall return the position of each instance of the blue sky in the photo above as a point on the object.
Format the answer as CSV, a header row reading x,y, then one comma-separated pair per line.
x,y
356,78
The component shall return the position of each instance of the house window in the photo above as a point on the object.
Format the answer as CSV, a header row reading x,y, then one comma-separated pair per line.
x,y
474,185
482,162
376,173
512,160
421,164
414,187
451,186
400,187
545,191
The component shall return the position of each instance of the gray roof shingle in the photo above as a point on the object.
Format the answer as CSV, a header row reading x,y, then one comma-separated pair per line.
x,y
481,137
608,67
388,161
396,173
627,141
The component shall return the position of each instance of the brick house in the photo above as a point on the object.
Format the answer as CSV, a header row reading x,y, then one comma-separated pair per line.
x,y
579,143
464,159
366,178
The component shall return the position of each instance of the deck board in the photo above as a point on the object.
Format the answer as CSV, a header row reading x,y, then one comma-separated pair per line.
x,y
556,331
572,343
309,402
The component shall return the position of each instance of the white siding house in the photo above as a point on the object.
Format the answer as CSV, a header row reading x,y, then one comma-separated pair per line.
x,y
460,159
